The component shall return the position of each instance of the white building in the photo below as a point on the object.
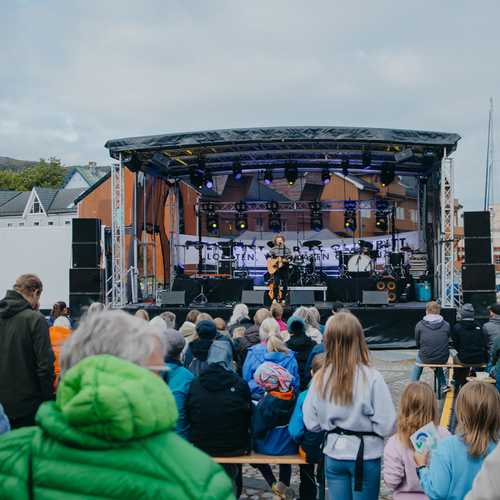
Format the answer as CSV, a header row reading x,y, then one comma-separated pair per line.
x,y
38,207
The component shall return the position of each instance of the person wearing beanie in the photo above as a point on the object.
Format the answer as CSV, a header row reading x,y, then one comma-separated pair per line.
x,y
301,345
470,342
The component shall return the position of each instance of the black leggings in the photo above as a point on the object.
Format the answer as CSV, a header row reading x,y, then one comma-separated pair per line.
x,y
270,478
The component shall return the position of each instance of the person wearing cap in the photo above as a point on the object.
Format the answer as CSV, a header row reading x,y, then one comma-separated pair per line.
x,y
470,342
301,345
492,327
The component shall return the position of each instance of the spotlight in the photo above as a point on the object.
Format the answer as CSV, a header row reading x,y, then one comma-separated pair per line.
x,y
241,222
208,179
381,214
325,175
345,166
274,217
196,177
316,216
387,174
366,159
212,219
350,221
291,173
237,171
268,176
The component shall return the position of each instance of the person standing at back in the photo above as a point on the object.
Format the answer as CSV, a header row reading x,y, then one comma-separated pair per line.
x,y
492,327
301,345
26,358
350,401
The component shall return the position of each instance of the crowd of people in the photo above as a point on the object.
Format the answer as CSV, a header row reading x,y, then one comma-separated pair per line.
x,y
134,407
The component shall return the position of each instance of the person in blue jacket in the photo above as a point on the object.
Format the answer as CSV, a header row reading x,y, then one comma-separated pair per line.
x,y
270,420
178,378
310,442
457,459
4,422
272,348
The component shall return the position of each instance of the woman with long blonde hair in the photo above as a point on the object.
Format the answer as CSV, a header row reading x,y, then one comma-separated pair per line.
x,y
417,407
456,460
351,402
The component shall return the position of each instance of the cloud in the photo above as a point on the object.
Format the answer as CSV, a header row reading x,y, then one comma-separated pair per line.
x,y
75,74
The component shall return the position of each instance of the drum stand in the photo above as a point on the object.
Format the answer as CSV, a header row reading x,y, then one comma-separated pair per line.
x,y
201,298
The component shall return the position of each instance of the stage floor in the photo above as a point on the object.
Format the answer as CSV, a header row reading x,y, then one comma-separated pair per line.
x,y
385,327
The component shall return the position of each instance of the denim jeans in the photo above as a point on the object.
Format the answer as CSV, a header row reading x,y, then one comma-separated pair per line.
x,y
417,373
340,479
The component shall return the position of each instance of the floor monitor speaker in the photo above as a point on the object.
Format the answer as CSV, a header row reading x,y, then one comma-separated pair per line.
x,y
252,297
301,297
167,298
376,298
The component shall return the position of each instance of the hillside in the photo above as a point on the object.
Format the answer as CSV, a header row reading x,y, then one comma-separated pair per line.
x,y
7,163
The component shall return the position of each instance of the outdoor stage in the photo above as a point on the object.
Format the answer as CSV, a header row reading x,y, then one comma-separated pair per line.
x,y
385,327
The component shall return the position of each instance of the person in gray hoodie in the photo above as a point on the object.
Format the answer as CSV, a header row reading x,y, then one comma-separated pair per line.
x,y
432,337
492,327
350,401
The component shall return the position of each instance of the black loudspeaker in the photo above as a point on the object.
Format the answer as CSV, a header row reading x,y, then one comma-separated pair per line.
x,y
375,298
301,297
477,225
252,297
86,230
79,301
171,298
85,281
478,250
86,255
481,301
478,277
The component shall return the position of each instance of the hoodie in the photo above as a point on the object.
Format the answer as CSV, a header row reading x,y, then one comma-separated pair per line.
x,y
301,345
470,342
218,409
26,358
492,330
431,336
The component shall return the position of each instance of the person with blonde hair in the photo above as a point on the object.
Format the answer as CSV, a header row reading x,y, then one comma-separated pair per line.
x,y
26,358
350,401
456,461
142,314
240,317
418,407
271,348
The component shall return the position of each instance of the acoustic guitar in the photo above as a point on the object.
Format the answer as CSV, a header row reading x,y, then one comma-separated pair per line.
x,y
275,263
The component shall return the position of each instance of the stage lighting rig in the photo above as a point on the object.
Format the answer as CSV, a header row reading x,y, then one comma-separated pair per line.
x,y
325,176
366,159
241,216
387,174
381,214
345,166
237,171
212,219
316,216
196,176
274,217
291,173
350,221
268,176
208,180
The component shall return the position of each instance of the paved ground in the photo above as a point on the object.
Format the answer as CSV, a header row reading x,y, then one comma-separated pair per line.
x,y
395,367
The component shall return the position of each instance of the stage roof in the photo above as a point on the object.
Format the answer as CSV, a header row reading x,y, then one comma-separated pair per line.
x,y
413,152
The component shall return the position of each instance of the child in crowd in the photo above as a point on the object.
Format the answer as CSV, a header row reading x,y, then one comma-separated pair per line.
x,y
351,402
456,461
270,423
59,332
417,407
277,313
310,442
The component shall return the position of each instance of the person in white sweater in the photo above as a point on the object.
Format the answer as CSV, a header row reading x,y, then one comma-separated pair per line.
x,y
351,402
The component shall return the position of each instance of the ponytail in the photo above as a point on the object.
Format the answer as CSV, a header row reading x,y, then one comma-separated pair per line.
x,y
275,344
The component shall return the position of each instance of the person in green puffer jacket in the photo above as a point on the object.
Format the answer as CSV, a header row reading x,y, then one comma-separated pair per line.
x,y
111,431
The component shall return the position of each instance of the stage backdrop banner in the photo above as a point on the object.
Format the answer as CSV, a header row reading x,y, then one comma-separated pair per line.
x,y
255,257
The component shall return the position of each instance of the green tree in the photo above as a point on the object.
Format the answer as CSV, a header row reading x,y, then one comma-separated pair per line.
x,y
46,173
10,180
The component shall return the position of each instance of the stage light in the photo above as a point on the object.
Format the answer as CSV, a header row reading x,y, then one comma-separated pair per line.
x,y
345,166
212,219
387,174
241,222
366,159
208,180
196,177
316,216
268,176
350,221
325,175
132,161
274,217
237,171
381,214
291,173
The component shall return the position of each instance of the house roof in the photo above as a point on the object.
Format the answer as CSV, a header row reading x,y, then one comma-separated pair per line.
x,y
92,188
53,201
258,191
91,174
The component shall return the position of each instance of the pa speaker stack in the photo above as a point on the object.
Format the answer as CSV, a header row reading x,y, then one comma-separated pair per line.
x,y
478,272
85,276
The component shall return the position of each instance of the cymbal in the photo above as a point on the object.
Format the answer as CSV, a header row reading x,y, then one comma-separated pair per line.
x,y
312,243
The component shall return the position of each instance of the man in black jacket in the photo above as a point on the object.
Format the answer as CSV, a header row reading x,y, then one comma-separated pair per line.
x,y
301,345
219,409
26,358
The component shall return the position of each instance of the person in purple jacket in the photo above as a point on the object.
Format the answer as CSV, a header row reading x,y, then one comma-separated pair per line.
x,y
417,407
271,348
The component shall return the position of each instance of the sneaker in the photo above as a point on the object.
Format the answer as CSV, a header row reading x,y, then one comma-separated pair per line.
x,y
282,491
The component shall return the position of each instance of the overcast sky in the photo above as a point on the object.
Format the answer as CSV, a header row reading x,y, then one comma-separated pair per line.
x,y
76,73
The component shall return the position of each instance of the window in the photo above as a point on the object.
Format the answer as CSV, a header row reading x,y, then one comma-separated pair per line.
x,y
36,223
21,224
365,213
10,224
414,215
400,213
67,222
36,207
497,259
51,223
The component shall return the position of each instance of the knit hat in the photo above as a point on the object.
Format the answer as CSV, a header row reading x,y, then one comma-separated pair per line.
x,y
296,325
206,329
188,331
467,312
273,377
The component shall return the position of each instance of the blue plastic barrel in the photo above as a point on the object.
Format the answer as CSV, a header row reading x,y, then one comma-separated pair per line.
x,y
423,291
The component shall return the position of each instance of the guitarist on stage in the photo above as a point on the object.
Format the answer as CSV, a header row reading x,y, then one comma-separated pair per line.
x,y
279,259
